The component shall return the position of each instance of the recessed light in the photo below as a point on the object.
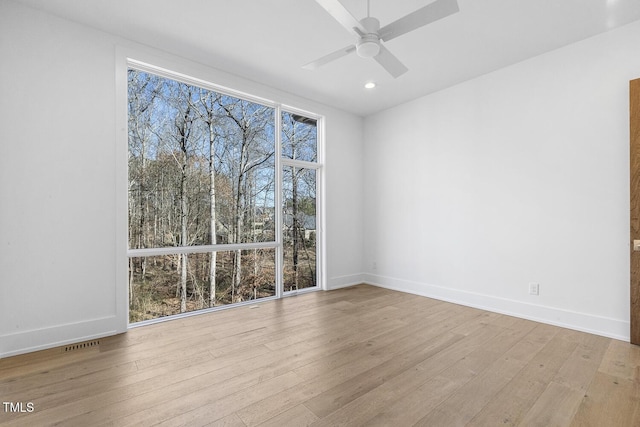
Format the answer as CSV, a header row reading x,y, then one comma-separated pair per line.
x,y
369,85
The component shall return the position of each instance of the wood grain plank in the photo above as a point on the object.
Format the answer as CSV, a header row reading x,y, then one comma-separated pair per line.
x,y
472,396
556,406
404,359
620,360
610,401
368,405
228,421
510,405
298,416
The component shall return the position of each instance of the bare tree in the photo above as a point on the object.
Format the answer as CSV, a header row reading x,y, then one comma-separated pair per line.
x,y
208,101
143,90
201,166
248,124
299,141
183,126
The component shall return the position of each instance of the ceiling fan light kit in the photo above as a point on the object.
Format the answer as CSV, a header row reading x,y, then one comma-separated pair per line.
x,y
370,36
368,47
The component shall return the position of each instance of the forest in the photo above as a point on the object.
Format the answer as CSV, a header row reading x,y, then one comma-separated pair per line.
x,y
202,172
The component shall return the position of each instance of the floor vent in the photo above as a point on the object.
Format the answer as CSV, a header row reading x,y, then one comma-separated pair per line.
x,y
81,346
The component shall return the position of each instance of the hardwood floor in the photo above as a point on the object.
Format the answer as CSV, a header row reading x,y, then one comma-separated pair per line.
x,y
355,356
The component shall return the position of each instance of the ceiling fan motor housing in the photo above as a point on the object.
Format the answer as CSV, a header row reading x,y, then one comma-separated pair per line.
x,y
369,44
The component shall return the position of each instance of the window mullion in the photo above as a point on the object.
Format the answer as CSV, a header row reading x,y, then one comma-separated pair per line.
x,y
278,203
171,250
300,164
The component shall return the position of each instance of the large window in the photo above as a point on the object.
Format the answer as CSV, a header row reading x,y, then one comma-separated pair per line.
x,y
222,197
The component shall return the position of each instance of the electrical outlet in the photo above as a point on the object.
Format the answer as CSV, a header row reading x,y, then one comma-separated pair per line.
x,y
534,289
374,266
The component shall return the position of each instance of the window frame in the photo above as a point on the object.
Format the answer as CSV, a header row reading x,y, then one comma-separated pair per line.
x,y
125,63
317,167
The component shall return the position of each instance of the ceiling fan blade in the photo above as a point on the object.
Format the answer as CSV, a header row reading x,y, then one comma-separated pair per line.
x,y
421,17
330,57
343,16
390,62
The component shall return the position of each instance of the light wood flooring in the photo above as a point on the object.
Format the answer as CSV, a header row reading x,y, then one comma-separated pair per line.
x,y
356,356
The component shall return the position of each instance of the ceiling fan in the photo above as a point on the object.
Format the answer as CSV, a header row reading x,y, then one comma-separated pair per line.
x,y
370,35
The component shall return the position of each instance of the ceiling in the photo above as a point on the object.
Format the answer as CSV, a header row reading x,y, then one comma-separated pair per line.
x,y
269,40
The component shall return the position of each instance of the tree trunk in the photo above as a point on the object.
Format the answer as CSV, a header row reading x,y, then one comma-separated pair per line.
x,y
131,267
296,225
237,262
183,283
239,213
184,132
183,236
214,231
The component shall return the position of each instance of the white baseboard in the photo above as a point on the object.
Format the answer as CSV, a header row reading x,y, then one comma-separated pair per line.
x,y
55,336
59,335
345,281
584,322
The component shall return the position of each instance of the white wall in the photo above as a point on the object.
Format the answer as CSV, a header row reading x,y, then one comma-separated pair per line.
x,y
62,250
469,194
518,176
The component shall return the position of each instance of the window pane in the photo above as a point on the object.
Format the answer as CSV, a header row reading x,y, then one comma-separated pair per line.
x,y
299,137
172,284
247,161
299,233
201,166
